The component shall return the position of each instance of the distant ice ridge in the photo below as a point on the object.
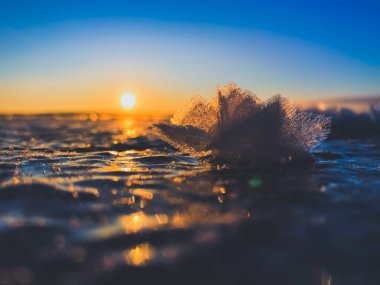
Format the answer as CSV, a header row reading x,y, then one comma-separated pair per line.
x,y
237,127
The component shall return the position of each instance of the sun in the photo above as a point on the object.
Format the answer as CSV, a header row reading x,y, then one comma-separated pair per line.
x,y
128,100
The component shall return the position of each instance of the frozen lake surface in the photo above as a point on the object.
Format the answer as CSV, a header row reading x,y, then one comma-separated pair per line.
x,y
99,199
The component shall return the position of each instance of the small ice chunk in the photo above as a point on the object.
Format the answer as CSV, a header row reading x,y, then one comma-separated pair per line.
x,y
236,127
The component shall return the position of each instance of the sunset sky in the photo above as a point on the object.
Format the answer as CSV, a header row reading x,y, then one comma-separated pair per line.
x,y
62,56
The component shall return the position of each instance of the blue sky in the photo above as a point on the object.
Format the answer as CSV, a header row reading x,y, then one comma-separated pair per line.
x,y
298,48
351,27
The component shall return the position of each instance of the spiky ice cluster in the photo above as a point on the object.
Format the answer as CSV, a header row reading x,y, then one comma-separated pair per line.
x,y
237,127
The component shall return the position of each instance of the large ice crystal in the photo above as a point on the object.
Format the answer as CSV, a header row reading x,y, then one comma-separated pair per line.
x,y
237,127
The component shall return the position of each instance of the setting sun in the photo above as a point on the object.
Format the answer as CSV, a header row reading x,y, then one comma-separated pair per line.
x,y
128,101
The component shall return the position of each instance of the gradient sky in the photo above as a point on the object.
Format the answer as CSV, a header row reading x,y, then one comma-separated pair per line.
x,y
83,55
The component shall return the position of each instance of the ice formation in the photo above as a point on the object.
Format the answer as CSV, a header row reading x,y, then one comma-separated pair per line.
x,y
237,127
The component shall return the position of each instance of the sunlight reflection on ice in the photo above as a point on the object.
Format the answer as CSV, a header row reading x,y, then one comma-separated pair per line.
x,y
105,193
139,255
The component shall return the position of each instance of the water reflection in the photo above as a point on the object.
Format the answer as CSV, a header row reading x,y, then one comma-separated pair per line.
x,y
137,222
326,279
102,193
139,255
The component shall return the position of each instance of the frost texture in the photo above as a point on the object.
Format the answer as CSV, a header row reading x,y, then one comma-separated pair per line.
x,y
236,126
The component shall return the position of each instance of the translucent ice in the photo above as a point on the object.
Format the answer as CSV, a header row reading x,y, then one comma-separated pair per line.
x,y
236,126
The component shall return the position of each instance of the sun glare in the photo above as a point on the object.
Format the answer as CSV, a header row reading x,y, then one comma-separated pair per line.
x,y
128,100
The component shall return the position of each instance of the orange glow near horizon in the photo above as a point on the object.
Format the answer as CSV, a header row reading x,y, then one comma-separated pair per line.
x,y
32,97
69,68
